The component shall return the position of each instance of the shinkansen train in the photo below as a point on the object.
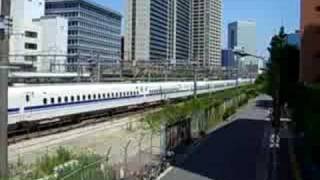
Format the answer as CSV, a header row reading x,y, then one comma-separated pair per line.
x,y
36,102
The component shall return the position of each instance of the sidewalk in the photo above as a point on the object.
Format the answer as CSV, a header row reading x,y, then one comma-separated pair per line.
x,y
238,150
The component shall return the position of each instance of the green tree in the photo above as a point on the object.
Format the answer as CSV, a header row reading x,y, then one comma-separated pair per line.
x,y
282,73
276,51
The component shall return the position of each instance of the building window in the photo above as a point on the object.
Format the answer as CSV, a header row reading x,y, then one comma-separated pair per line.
x,y
31,34
27,98
30,58
30,46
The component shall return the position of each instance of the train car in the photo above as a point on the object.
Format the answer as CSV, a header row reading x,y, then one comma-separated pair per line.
x,y
36,102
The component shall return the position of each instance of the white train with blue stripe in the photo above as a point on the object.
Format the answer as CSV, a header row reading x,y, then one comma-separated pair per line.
x,y
37,102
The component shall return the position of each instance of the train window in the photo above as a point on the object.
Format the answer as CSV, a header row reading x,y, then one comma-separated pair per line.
x,y
103,96
66,99
52,100
45,101
27,98
116,95
89,97
83,97
59,99
99,96
112,95
72,98
78,98
94,96
120,94
128,93
108,95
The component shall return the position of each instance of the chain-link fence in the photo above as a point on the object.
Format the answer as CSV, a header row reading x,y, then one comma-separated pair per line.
x,y
136,155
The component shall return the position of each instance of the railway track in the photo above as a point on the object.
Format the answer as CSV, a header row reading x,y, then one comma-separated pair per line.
x,y
26,131
49,127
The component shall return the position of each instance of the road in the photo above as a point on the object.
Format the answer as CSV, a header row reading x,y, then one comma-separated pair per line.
x,y
239,150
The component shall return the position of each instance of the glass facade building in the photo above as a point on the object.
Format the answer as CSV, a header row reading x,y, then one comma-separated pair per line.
x,y
94,30
158,30
227,58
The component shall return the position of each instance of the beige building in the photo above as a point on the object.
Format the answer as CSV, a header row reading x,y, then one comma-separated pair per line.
x,y
206,32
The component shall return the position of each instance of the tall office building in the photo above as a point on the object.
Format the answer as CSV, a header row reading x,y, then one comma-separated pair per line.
x,y
94,30
206,32
158,30
242,34
227,58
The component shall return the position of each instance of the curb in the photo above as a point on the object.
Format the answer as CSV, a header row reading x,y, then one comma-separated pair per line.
x,y
164,173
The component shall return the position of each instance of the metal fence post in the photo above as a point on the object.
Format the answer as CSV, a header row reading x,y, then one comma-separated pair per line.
x,y
151,139
126,158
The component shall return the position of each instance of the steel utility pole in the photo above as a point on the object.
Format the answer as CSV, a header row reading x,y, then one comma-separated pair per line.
x,y
4,51
195,80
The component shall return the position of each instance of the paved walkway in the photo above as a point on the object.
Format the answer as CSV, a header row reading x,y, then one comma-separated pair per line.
x,y
239,150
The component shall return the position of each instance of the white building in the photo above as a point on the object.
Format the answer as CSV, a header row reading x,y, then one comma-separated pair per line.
x,y
37,41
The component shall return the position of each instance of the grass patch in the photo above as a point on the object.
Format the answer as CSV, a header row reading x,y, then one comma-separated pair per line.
x,y
208,104
64,164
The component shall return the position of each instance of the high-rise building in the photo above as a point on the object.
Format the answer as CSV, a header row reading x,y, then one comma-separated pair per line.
x,y
242,34
158,30
310,38
180,20
94,30
227,58
206,32
35,36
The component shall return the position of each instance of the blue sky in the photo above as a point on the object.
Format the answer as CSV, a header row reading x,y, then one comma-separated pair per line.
x,y
268,14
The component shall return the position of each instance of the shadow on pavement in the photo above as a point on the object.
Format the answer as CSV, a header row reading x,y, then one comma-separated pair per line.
x,y
265,104
235,151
